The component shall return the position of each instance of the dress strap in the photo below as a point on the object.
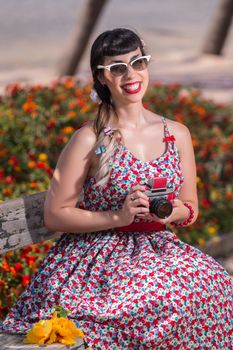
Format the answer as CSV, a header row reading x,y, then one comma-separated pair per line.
x,y
167,136
166,131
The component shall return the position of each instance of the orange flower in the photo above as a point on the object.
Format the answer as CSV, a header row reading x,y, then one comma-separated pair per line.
x,y
85,109
69,84
57,329
5,266
225,147
73,104
229,195
13,271
71,114
230,139
61,97
200,110
81,102
29,106
179,117
68,130
87,89
201,241
30,260
43,157
7,191
3,151
33,184
40,333
78,92
31,164
66,331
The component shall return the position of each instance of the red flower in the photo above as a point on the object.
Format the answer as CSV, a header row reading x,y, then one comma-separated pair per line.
x,y
40,165
49,171
51,124
205,203
30,260
9,179
25,280
31,156
13,161
13,89
18,266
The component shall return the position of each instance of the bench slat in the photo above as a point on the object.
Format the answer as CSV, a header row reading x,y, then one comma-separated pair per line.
x,y
22,222
14,342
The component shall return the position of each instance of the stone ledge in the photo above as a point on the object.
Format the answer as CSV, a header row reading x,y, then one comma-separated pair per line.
x,y
15,342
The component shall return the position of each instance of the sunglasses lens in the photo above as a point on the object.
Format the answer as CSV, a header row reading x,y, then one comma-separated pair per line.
x,y
140,64
118,69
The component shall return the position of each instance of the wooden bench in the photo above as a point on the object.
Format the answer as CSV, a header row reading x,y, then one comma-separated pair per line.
x,y
22,223
15,342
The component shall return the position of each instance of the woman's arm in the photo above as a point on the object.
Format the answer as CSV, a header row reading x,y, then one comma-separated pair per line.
x,y
66,185
188,193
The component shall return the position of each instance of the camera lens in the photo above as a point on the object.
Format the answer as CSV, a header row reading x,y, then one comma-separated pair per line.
x,y
161,207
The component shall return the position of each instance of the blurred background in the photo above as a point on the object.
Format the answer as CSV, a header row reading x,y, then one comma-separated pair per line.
x,y
191,42
37,37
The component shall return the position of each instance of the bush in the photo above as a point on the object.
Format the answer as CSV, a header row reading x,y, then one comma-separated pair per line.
x,y
36,122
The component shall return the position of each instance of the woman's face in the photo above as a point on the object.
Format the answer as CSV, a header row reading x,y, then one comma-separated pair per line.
x,y
131,86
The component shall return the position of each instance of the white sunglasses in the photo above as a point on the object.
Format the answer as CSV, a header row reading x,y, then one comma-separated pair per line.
x,y
118,69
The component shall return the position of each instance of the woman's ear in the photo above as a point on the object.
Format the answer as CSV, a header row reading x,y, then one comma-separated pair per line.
x,y
101,79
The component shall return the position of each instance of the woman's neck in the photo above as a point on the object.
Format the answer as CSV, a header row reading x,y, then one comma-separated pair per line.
x,y
130,117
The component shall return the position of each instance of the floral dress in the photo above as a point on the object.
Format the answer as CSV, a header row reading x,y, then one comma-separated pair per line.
x,y
132,290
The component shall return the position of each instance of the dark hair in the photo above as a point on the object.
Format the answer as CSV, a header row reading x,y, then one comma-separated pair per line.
x,y
118,41
114,42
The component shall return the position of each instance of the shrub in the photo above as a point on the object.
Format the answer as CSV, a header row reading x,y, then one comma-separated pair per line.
x,y
36,122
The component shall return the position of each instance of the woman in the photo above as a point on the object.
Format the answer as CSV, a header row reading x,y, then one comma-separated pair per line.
x,y
126,278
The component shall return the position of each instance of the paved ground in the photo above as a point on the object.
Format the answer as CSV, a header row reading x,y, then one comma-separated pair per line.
x,y
213,75
36,35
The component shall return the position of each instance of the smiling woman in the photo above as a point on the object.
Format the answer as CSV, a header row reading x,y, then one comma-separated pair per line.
x,y
127,279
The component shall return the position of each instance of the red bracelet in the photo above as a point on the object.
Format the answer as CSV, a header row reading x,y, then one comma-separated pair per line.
x,y
188,220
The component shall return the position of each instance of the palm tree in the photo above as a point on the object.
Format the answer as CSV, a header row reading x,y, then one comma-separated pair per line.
x,y
219,29
85,25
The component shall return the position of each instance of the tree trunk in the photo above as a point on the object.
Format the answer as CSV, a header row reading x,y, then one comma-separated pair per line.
x,y
85,25
219,29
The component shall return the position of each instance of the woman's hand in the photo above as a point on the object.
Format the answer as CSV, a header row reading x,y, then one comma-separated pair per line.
x,y
179,213
136,204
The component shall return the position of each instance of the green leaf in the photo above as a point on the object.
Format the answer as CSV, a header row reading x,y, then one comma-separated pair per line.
x,y
61,312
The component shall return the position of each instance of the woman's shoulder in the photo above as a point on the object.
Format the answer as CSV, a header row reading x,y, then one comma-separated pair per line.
x,y
85,134
178,129
83,140
181,134
175,128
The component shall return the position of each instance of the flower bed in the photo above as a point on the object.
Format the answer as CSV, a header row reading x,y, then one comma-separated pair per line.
x,y
36,122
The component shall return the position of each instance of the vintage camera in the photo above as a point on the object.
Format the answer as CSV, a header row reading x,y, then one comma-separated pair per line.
x,y
160,193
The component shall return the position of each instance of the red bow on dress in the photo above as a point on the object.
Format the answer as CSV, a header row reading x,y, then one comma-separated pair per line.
x,y
169,138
